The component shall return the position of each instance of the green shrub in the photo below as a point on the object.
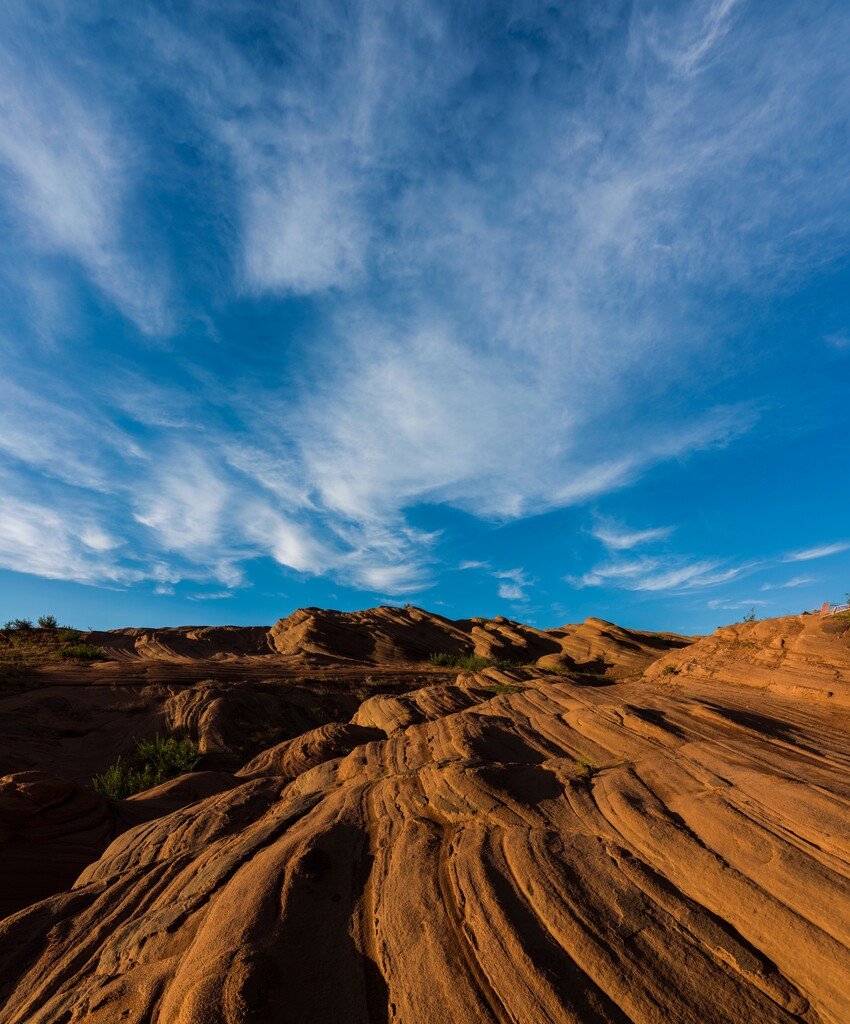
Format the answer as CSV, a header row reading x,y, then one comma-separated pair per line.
x,y
155,761
67,634
168,756
48,622
18,624
86,652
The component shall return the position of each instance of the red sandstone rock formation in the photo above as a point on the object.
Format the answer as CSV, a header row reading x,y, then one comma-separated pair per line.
x,y
504,846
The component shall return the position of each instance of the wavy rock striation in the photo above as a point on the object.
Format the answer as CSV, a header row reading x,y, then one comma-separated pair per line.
x,y
806,656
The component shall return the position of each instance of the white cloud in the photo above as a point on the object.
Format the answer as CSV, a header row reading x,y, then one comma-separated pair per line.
x,y
185,503
658,574
797,581
61,436
71,171
819,552
302,233
723,602
515,584
618,538
67,545
706,25
391,579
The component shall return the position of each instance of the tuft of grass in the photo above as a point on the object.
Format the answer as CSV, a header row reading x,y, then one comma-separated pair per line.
x,y
583,768
506,688
668,670
154,762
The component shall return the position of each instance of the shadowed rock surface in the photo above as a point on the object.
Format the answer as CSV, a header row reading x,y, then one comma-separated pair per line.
x,y
502,846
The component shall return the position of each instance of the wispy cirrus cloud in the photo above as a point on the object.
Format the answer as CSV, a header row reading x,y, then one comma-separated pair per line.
x,y
71,172
823,551
725,603
39,539
499,328
658,574
619,538
797,581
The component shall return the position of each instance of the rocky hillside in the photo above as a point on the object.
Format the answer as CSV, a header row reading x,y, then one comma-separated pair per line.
x,y
506,845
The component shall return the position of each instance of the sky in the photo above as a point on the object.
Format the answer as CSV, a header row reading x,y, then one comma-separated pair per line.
x,y
527,309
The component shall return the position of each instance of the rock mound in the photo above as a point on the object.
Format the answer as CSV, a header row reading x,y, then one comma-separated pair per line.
x,y
407,635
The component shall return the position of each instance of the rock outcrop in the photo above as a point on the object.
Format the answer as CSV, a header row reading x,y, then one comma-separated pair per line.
x,y
806,656
386,636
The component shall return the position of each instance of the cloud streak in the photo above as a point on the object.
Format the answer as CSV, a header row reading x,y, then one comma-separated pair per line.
x,y
658,574
823,551
621,539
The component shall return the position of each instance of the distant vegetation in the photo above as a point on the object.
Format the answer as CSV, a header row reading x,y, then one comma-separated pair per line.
x,y
154,762
467,662
86,652
22,643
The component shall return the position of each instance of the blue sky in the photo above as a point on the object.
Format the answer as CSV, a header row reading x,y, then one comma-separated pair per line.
x,y
530,309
